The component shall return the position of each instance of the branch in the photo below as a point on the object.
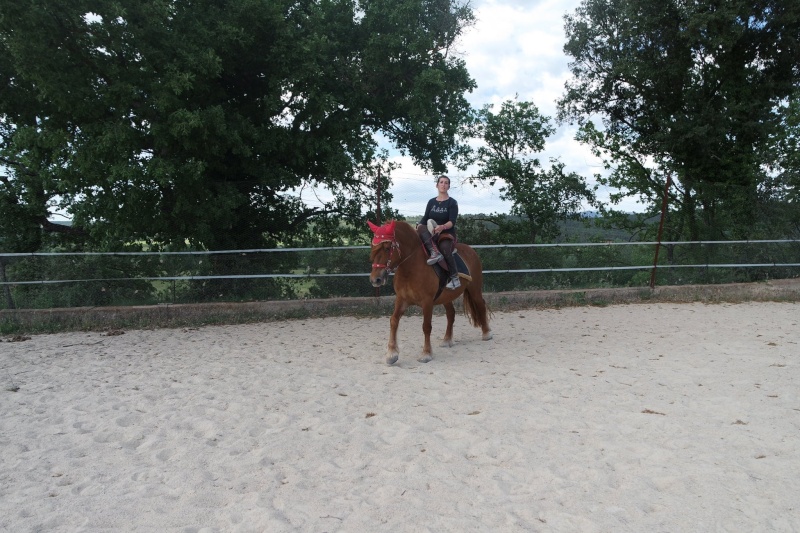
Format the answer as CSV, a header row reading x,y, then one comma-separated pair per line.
x,y
308,214
17,165
52,227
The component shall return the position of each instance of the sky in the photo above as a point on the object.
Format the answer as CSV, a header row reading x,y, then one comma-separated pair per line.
x,y
515,48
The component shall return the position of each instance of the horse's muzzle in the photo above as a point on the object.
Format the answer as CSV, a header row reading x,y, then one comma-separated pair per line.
x,y
379,278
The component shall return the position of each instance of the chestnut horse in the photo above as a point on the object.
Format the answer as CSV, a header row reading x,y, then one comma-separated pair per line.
x,y
396,248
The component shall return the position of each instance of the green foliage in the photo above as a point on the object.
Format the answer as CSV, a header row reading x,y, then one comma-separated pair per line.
x,y
542,197
687,89
116,285
175,122
779,201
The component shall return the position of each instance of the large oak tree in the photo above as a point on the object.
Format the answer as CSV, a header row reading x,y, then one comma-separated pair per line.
x,y
173,120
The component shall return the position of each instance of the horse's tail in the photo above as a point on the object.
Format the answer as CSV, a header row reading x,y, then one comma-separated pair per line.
x,y
476,310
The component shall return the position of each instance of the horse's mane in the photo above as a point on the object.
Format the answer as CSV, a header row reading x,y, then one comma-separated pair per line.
x,y
406,234
402,225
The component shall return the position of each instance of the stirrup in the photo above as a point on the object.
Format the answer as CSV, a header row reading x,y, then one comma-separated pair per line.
x,y
434,258
454,283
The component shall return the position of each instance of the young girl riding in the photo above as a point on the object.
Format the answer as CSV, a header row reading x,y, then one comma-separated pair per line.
x,y
440,235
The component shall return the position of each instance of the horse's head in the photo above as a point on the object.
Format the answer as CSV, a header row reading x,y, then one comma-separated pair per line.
x,y
384,246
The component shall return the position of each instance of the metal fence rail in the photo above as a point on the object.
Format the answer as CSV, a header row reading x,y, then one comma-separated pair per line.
x,y
366,274
328,248
360,274
74,279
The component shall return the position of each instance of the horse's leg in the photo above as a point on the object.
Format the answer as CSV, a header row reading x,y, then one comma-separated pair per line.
x,y
427,316
450,310
393,350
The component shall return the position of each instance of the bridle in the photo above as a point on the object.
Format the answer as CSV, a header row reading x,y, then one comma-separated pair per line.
x,y
386,234
392,247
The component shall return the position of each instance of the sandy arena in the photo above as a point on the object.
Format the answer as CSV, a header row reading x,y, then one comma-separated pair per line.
x,y
627,418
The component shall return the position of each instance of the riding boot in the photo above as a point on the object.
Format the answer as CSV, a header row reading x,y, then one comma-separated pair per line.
x,y
433,251
454,282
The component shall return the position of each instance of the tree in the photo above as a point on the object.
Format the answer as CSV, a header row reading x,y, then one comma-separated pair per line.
x,y
786,166
690,89
780,193
172,121
542,197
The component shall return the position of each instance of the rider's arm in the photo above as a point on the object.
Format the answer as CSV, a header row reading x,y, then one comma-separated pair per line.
x,y
453,213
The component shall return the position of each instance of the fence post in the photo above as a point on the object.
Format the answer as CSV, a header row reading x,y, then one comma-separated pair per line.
x,y
378,212
6,287
378,209
660,231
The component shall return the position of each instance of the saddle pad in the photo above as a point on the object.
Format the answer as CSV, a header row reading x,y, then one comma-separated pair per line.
x,y
463,270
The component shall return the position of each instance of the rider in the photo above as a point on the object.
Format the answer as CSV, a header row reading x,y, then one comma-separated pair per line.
x,y
443,210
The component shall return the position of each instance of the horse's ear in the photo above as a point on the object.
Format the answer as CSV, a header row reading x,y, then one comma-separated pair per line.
x,y
391,225
372,226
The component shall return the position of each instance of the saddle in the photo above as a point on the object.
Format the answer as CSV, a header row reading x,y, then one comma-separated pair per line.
x,y
443,271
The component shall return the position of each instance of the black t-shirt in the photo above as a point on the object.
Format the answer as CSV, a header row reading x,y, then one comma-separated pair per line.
x,y
441,213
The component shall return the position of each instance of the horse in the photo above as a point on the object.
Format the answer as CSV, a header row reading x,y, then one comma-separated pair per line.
x,y
398,249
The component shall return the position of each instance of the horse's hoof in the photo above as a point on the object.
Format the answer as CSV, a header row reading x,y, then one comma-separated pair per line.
x,y
425,359
392,359
488,336
447,344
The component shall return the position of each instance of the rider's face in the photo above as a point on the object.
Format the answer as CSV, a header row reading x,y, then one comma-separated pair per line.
x,y
443,184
